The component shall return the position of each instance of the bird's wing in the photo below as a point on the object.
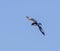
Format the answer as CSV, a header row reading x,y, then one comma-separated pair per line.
x,y
40,23
29,18
40,28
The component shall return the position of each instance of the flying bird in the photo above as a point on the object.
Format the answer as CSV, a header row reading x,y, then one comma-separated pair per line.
x,y
34,22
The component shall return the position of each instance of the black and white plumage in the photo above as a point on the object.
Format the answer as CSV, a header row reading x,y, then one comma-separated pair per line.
x,y
34,22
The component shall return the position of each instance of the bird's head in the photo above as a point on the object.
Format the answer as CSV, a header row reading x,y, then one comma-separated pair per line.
x,y
27,16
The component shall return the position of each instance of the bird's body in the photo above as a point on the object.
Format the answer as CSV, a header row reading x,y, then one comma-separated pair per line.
x,y
34,22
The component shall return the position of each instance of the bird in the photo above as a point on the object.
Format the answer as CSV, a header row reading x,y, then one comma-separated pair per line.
x,y
34,22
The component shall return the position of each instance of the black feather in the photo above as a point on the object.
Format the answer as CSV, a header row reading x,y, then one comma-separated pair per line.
x,y
40,28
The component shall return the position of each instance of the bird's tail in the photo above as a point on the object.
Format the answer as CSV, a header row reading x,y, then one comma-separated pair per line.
x,y
40,28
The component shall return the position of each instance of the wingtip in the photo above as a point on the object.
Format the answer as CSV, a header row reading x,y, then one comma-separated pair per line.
x,y
43,33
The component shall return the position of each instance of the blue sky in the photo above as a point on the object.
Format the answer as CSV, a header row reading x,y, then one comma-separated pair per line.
x,y
16,32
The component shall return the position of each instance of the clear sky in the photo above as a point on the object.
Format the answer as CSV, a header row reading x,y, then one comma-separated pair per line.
x,y
16,32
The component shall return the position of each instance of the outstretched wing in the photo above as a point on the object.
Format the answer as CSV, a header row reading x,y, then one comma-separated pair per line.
x,y
29,18
40,28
